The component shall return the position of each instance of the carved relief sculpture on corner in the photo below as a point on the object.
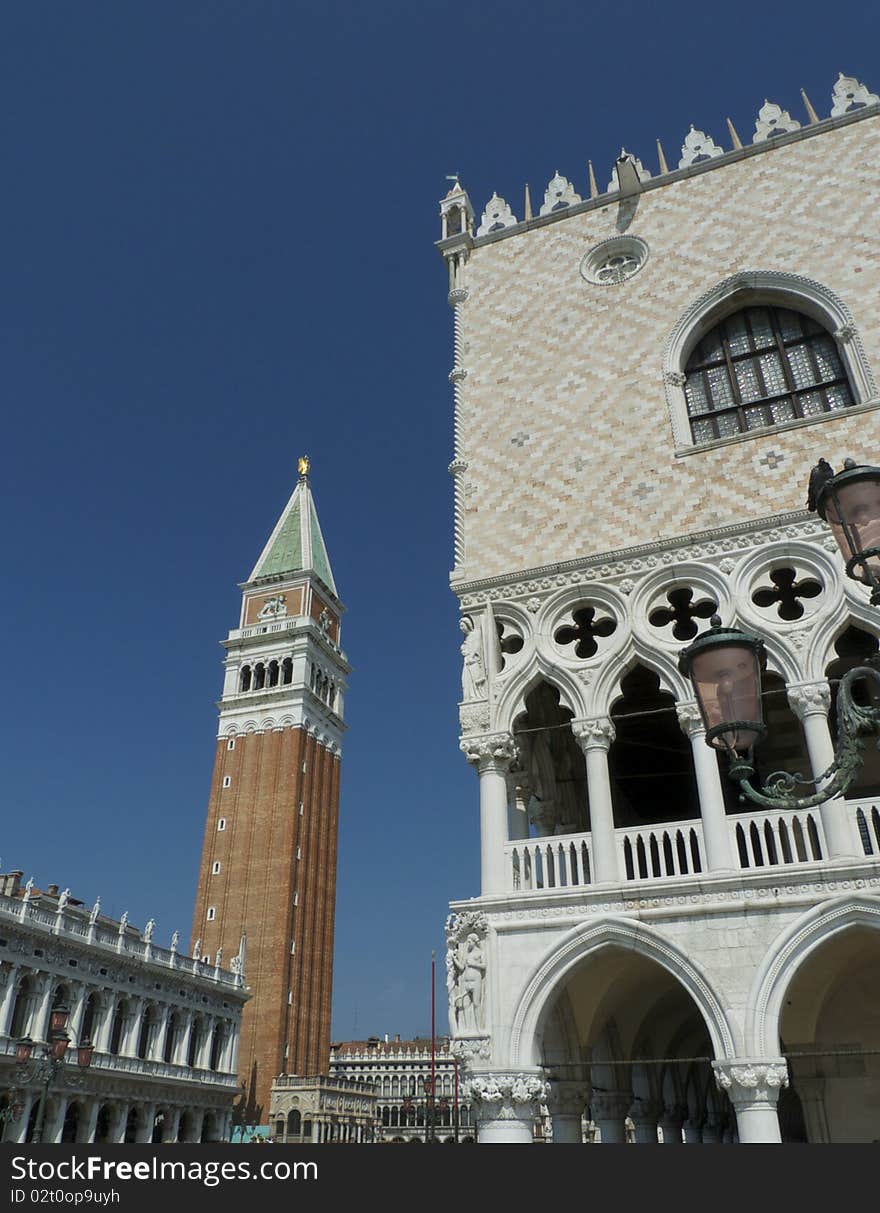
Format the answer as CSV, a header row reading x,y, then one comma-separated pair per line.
x,y
466,972
473,671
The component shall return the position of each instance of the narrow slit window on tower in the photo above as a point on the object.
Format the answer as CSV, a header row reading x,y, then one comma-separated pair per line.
x,y
221,823
299,852
212,913
215,867
230,745
227,781
293,947
300,808
296,898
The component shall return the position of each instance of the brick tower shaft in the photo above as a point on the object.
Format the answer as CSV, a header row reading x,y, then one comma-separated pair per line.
x,y
268,868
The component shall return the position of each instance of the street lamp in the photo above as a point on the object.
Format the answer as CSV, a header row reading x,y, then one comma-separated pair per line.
x,y
724,664
849,501
46,1067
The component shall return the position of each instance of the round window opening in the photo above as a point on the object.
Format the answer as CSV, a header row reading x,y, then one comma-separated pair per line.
x,y
614,261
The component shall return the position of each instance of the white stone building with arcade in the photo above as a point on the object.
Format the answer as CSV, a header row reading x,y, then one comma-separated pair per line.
x,y
643,379
160,1028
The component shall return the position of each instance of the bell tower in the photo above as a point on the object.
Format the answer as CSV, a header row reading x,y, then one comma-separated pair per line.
x,y
268,868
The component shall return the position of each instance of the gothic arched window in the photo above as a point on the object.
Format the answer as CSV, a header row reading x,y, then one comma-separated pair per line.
x,y
763,366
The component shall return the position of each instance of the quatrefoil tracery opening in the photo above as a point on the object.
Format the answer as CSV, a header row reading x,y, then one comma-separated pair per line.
x,y
509,640
786,592
683,612
585,630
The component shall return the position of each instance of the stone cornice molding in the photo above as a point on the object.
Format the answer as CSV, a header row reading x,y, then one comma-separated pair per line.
x,y
496,750
507,1096
595,734
810,699
809,131
703,546
750,1081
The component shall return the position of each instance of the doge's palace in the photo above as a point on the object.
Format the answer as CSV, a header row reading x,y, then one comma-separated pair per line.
x,y
644,373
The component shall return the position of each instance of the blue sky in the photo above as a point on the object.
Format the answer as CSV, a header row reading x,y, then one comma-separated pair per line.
x,y
217,234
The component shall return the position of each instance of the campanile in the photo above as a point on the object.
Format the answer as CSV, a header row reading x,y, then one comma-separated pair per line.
x,y
268,868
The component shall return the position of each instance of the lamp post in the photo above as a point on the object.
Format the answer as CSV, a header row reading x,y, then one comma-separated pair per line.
x,y
724,664
46,1067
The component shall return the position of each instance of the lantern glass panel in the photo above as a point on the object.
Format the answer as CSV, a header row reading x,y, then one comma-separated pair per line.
x,y
58,1047
727,681
58,1020
859,505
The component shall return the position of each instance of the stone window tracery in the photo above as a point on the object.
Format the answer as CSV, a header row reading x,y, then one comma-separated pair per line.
x,y
786,591
760,367
589,627
681,615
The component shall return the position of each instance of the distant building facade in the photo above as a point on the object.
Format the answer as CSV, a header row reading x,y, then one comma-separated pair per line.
x,y
644,374
398,1070
164,1025
313,1110
268,868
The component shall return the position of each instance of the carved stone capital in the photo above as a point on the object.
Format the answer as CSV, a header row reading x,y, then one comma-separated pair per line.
x,y
810,699
493,750
457,295
470,1050
751,1081
845,333
596,734
457,374
567,1098
458,467
689,719
675,378
507,1096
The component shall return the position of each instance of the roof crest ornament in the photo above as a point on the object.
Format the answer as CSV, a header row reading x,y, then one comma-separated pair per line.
x,y
303,464
773,120
850,94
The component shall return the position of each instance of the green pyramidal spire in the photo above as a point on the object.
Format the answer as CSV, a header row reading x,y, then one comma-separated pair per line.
x,y
296,545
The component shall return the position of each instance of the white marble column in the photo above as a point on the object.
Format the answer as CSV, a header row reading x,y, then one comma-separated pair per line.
x,y
753,1087
77,1011
39,1025
812,1096
609,1109
810,702
8,1002
131,1028
595,738
146,1117
492,756
16,1130
671,1121
566,1103
644,1113
173,1123
104,1027
203,1053
518,797
88,1119
181,1045
118,1123
506,1106
198,1123
156,1041
716,833
53,1120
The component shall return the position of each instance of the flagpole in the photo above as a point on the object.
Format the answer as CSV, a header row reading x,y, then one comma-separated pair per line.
x,y
433,1048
